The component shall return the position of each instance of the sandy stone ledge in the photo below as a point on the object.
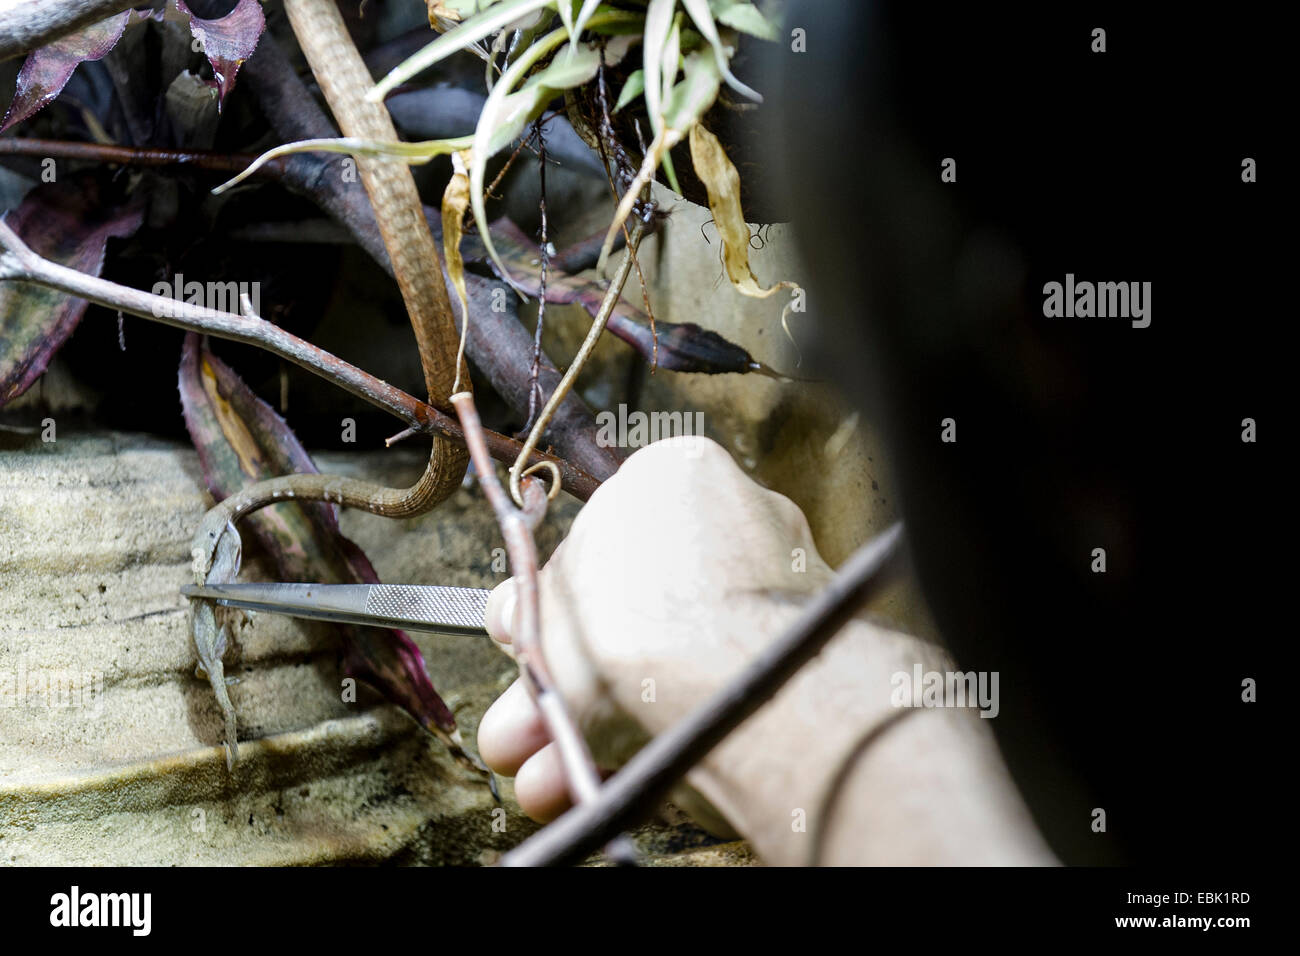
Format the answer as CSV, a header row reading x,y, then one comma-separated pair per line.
x,y
121,763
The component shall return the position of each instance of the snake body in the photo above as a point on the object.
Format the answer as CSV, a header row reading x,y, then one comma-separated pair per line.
x,y
344,80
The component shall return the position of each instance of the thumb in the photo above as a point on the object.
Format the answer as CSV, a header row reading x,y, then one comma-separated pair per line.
x,y
499,616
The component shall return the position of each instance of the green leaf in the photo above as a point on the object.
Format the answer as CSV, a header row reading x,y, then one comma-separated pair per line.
x,y
688,101
691,98
672,57
703,17
633,88
585,14
744,16
566,17
516,110
468,33
658,24
413,153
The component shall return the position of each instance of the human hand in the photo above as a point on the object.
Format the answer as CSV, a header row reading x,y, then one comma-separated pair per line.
x,y
677,573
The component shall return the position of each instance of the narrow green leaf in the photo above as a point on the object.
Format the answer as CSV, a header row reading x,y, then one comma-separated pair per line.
x,y
413,153
471,31
633,88
703,17
658,23
566,17
585,14
744,16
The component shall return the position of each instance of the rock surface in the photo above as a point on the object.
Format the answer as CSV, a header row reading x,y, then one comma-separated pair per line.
x,y
110,746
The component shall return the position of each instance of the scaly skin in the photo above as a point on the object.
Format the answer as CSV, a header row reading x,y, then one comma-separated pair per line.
x,y
212,638
344,79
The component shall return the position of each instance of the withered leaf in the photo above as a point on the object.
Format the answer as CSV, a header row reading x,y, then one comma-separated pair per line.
x,y
722,181
455,200
240,439
66,224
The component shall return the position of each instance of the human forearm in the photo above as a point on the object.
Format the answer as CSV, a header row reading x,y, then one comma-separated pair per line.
x,y
831,772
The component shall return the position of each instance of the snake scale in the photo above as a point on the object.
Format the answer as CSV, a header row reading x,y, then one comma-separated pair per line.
x,y
344,81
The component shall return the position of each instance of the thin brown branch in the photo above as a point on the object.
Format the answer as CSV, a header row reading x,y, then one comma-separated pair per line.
x,y
132,156
491,191
648,776
581,775
19,263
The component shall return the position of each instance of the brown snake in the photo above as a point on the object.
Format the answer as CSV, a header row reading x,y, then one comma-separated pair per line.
x,y
344,80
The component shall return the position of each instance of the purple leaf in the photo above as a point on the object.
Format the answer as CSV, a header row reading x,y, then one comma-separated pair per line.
x,y
66,224
240,439
46,71
676,346
228,41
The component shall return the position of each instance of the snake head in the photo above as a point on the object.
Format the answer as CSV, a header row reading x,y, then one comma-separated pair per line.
x,y
217,552
228,554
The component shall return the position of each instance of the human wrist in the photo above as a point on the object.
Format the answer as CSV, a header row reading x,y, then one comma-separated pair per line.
x,y
771,776
836,769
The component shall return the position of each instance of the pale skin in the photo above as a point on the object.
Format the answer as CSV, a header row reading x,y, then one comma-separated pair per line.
x,y
672,578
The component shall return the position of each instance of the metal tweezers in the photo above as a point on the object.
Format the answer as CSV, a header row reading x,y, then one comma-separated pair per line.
x,y
418,607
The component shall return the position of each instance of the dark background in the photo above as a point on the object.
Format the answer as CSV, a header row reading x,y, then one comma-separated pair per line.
x,y
1119,690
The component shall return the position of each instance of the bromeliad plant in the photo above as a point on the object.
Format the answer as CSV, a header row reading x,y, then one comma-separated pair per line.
x,y
538,50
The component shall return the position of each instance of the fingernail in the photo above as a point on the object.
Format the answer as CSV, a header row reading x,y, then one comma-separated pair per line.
x,y
501,613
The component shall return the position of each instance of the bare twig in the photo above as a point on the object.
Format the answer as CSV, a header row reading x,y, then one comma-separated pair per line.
x,y
491,191
19,263
580,771
638,786
26,26
132,156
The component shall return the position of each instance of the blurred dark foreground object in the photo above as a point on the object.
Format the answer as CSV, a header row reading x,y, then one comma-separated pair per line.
x,y
1120,691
